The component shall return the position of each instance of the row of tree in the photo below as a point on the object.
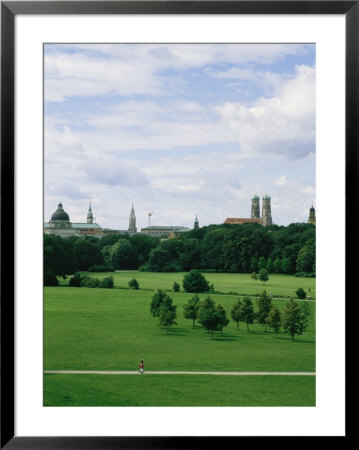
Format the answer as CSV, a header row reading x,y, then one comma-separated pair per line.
x,y
294,319
245,248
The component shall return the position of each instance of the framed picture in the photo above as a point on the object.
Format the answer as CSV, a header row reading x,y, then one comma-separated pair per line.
x,y
196,156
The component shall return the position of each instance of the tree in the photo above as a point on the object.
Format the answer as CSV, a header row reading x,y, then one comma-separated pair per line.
x,y
263,275
167,313
236,312
223,320
208,303
123,255
108,239
50,278
156,302
274,319
195,282
270,265
133,284
210,319
294,321
264,303
306,314
301,294
248,314
191,309
58,257
212,248
176,287
254,276
277,265
261,263
306,257
190,254
86,254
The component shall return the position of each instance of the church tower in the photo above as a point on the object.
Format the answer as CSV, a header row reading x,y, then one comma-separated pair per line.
x,y
132,222
196,223
311,216
89,214
255,207
266,211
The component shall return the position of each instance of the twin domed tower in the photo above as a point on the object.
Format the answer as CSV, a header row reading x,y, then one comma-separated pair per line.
x,y
266,219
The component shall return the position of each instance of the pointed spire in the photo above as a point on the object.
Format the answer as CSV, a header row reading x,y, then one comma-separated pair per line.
x,y
132,222
89,214
196,223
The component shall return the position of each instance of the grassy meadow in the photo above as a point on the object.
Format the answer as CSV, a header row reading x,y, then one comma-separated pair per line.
x,y
112,329
240,283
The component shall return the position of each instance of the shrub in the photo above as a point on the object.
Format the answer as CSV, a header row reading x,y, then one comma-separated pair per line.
x,y
263,275
107,283
305,274
301,293
145,268
176,287
172,267
75,281
50,278
133,284
194,281
100,268
90,282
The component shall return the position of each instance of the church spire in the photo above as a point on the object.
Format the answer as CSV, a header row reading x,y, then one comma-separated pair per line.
x,y
89,214
196,223
132,221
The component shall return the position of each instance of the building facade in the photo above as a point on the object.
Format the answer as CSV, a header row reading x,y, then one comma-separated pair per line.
x,y
265,220
60,225
164,231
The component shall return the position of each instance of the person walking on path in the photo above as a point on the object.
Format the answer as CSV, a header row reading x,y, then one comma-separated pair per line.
x,y
141,367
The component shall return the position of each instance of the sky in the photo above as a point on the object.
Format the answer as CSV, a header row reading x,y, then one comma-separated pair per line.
x,y
180,130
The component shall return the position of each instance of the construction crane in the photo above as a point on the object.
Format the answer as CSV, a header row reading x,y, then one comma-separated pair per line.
x,y
149,218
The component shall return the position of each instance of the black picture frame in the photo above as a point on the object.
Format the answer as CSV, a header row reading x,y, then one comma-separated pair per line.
x,y
9,9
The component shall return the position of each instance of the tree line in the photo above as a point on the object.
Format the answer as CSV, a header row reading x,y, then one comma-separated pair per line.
x,y
245,248
294,319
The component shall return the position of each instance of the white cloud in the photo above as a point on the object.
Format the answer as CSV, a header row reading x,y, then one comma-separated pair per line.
x,y
135,68
281,181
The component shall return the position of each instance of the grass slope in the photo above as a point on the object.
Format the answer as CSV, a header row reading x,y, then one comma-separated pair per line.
x,y
279,285
113,329
89,329
178,390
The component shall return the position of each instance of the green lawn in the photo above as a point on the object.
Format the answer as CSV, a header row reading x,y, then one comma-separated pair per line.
x,y
278,285
178,390
103,329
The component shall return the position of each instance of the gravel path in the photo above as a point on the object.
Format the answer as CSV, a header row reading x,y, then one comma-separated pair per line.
x,y
128,372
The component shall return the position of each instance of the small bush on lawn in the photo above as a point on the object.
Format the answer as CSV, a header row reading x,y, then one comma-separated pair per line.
x,y
195,282
301,293
75,281
90,282
133,284
176,287
107,283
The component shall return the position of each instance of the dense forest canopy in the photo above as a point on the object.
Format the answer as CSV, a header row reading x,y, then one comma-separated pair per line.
x,y
244,248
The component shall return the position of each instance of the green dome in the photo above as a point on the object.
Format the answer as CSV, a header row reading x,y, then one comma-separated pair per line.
x,y
266,197
60,214
255,197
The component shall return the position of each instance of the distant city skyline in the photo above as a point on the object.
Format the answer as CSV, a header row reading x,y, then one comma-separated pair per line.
x,y
180,130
